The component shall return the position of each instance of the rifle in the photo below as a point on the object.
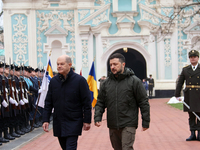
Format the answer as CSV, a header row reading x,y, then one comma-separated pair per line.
x,y
10,87
5,90
21,92
25,91
15,89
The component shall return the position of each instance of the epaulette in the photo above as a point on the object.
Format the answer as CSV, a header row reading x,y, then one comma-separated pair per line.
x,y
186,66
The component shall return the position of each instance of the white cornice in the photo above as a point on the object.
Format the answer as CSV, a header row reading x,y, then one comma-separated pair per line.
x,y
122,13
149,10
93,15
187,30
61,30
101,26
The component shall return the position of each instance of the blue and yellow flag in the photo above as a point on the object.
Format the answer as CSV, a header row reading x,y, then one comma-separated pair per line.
x,y
92,82
49,72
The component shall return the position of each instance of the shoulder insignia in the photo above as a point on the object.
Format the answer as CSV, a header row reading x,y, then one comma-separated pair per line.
x,y
186,66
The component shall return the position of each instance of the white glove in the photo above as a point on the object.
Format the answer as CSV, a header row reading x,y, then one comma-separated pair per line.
x,y
16,104
11,100
4,103
179,98
40,91
21,102
25,100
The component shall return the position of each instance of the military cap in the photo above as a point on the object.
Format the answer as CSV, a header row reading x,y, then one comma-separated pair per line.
x,y
1,64
12,66
36,70
193,53
17,68
6,65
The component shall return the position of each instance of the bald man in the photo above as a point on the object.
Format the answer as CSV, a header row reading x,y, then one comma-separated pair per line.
x,y
69,95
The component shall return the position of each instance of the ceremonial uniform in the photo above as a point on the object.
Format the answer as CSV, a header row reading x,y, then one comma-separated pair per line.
x,y
191,76
150,86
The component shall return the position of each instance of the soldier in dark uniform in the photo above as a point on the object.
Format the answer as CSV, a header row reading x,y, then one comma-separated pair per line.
x,y
151,85
191,76
2,120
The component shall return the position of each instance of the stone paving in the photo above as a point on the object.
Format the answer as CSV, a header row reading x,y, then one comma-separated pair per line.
x,y
168,131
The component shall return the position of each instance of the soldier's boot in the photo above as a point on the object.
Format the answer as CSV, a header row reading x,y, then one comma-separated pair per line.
x,y
28,126
34,125
17,130
0,143
198,136
192,136
13,134
7,135
2,140
24,129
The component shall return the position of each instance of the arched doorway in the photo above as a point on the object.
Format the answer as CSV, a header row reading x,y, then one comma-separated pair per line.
x,y
56,52
134,60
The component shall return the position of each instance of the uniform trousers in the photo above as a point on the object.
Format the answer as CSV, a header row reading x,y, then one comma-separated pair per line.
x,y
122,139
194,122
68,143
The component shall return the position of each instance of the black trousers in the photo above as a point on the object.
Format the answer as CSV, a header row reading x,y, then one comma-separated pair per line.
x,y
68,143
194,122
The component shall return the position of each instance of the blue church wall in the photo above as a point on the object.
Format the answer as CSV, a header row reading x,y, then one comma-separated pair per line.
x,y
124,5
20,39
45,19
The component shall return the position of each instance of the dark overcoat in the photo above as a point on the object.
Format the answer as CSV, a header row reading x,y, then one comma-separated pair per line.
x,y
191,94
71,101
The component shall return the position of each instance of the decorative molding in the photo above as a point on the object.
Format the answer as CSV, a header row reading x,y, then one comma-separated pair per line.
x,y
105,43
54,20
101,18
148,16
85,53
168,61
83,13
167,11
95,14
153,12
20,40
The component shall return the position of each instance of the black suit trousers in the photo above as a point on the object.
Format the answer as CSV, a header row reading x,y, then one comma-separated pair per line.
x,y
68,143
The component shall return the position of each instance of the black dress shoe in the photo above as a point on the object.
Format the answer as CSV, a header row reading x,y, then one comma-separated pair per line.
x,y
192,136
0,144
15,135
20,132
2,140
9,137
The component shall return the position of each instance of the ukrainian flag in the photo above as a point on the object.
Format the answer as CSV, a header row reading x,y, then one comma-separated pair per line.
x,y
92,82
49,72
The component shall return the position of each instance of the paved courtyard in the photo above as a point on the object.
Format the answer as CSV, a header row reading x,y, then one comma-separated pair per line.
x,y
168,131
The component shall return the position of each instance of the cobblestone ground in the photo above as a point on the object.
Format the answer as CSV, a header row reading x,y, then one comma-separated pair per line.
x,y
168,131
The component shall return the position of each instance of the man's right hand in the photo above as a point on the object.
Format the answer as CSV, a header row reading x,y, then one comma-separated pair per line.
x,y
45,126
98,124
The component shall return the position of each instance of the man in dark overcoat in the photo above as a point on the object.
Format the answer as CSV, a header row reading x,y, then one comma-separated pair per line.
x,y
69,95
191,76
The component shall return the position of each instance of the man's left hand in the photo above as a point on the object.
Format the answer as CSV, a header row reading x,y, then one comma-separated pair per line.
x,y
86,126
144,129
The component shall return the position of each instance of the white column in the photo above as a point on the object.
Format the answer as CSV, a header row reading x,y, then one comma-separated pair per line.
x,y
161,60
8,34
32,39
151,65
174,54
99,52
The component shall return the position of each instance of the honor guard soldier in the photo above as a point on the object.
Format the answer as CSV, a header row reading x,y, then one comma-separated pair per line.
x,y
191,76
151,85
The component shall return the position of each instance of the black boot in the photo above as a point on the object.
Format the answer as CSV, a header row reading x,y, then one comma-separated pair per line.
x,y
0,144
34,125
18,131
192,136
13,134
2,140
198,136
24,129
8,136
